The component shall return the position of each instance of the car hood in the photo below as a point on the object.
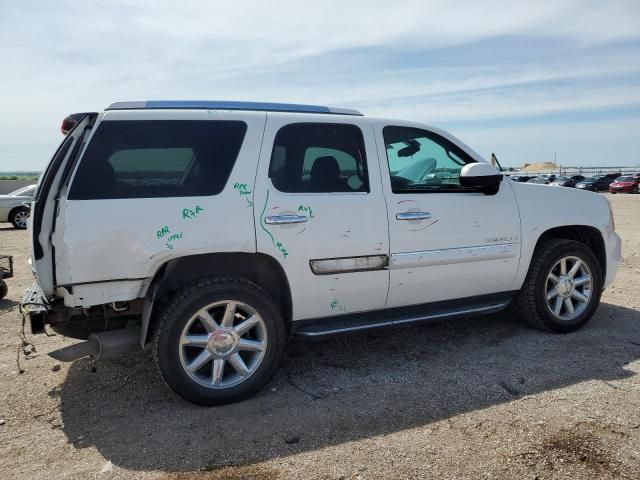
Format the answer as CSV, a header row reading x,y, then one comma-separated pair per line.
x,y
15,197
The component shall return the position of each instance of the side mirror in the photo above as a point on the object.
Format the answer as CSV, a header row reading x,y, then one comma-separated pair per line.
x,y
483,176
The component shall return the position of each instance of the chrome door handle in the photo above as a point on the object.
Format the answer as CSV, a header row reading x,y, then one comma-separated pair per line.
x,y
413,215
284,219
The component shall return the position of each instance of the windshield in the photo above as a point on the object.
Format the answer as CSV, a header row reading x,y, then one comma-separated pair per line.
x,y
562,179
624,179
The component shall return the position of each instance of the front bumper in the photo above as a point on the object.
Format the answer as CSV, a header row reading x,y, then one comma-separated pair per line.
x,y
613,250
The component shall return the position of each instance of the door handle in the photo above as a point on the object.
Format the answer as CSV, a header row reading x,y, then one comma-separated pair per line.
x,y
413,215
284,219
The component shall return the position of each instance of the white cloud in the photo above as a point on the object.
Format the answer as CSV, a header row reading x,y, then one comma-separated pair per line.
x,y
76,56
571,144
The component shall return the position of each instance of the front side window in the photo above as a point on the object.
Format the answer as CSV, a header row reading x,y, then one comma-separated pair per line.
x,y
319,157
158,158
422,161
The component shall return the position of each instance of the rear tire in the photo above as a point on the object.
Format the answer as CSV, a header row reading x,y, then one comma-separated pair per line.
x,y
4,289
19,217
218,340
556,302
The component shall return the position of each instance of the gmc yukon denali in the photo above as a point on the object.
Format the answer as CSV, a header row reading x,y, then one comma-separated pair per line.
x,y
211,232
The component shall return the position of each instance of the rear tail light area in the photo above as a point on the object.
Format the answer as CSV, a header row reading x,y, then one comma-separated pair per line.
x,y
71,121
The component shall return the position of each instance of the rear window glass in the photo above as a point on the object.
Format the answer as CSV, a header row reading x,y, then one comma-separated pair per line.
x,y
319,158
158,158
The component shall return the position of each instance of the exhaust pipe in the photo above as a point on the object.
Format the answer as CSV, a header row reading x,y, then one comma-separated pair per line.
x,y
102,345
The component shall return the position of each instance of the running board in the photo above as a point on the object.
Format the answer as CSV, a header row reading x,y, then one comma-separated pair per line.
x,y
397,317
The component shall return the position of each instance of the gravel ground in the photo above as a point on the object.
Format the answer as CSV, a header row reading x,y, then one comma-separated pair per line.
x,y
477,398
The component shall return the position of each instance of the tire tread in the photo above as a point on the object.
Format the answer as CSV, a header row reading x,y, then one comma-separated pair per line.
x,y
170,303
525,301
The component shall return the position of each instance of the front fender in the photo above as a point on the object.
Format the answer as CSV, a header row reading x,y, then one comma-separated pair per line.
x,y
543,208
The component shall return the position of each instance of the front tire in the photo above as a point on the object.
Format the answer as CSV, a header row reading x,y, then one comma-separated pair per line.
x,y
563,287
19,217
219,340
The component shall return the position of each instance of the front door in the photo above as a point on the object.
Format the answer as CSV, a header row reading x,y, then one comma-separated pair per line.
x,y
320,212
446,241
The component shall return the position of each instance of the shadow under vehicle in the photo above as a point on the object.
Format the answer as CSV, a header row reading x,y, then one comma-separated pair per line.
x,y
339,390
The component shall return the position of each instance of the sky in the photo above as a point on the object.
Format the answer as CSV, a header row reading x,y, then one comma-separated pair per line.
x,y
530,81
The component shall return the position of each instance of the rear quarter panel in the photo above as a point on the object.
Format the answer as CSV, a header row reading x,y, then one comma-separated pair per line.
x,y
131,238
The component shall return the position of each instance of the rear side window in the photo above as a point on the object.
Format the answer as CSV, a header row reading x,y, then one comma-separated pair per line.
x,y
319,157
158,158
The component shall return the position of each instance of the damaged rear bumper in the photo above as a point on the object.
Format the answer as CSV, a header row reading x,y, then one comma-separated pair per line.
x,y
35,307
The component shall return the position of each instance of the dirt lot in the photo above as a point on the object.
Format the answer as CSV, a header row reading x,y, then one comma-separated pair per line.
x,y
478,398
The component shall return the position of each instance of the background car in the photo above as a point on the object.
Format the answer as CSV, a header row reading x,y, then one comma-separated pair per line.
x,y
625,184
595,184
544,179
540,180
521,178
13,208
567,181
549,178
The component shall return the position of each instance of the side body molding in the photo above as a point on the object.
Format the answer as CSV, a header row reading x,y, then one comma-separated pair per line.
x,y
449,256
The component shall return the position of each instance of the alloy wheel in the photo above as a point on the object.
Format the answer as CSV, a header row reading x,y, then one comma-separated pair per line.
x,y
223,344
21,219
568,288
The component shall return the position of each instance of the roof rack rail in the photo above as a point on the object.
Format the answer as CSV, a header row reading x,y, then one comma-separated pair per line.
x,y
230,105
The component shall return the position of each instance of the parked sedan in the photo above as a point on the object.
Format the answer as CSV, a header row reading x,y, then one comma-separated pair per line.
x,y
13,208
595,184
565,181
626,184
540,180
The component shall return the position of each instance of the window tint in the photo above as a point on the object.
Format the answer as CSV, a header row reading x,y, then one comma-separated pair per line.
x,y
158,158
420,160
27,191
319,157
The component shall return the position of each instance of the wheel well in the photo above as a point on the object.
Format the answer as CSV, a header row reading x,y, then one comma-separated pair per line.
x,y
17,207
589,236
260,269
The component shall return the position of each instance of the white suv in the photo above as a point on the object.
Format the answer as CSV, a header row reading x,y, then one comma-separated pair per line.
x,y
211,232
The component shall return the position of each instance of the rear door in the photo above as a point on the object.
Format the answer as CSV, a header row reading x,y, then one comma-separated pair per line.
x,y
320,212
46,203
